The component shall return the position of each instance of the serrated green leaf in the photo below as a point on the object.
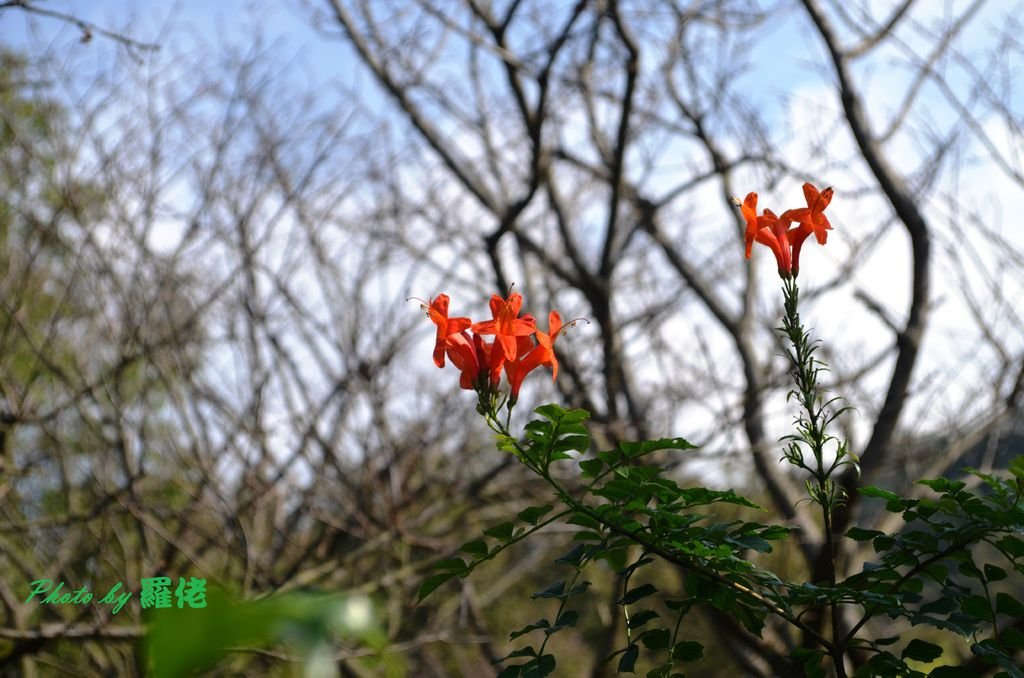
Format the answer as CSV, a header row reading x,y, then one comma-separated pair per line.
x,y
921,651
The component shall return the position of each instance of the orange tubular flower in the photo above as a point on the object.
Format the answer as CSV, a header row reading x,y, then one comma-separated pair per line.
x,y
541,354
769,230
472,357
446,327
813,216
774,231
507,325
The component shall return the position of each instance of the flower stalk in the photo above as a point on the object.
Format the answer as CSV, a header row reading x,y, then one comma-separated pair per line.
x,y
812,436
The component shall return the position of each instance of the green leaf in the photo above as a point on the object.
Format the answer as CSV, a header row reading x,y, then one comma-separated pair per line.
x,y
545,666
1009,605
477,547
585,520
1012,545
943,605
921,651
527,651
572,443
1017,467
431,583
627,662
533,514
501,532
579,588
637,593
551,411
872,491
1012,638
539,624
453,565
575,556
567,619
860,534
943,484
638,619
976,606
993,573
635,450
575,415
687,651
656,639
590,468
556,590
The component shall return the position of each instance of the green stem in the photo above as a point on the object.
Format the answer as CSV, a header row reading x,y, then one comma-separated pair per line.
x,y
811,427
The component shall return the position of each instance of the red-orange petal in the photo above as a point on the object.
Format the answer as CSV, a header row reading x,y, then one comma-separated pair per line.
x,y
749,211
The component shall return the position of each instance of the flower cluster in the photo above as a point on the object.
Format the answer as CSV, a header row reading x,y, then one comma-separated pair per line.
x,y
518,348
775,232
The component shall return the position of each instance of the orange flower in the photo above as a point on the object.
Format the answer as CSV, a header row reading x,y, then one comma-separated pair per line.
x,y
507,325
813,216
769,230
774,231
541,354
473,358
446,327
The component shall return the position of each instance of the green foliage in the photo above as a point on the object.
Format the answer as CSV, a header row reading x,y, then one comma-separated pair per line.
x,y
183,641
941,570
